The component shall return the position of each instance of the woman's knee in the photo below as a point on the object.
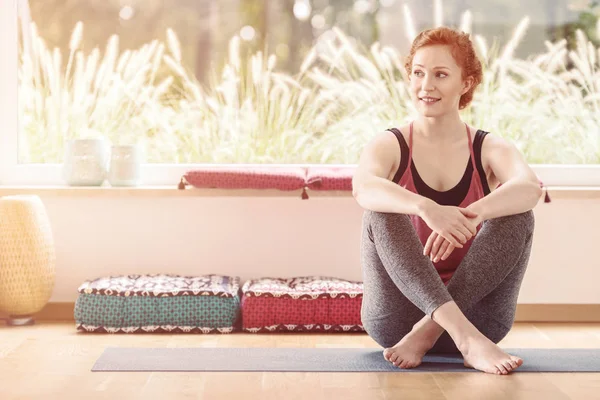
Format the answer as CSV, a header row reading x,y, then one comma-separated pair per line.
x,y
386,223
524,221
379,218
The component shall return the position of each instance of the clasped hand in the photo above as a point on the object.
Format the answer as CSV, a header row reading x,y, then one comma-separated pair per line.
x,y
452,227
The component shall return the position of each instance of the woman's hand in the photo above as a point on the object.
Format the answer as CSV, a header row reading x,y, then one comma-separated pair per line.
x,y
450,223
439,248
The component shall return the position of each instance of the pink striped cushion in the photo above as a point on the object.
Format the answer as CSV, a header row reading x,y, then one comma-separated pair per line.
x,y
330,178
254,177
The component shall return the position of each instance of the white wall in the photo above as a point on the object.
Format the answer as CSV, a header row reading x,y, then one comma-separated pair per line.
x,y
253,237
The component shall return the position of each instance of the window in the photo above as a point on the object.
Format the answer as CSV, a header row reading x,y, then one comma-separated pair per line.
x,y
283,82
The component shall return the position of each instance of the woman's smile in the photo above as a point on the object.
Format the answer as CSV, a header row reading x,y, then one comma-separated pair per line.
x,y
429,100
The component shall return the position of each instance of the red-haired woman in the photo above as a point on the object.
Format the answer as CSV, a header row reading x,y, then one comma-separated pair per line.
x,y
443,256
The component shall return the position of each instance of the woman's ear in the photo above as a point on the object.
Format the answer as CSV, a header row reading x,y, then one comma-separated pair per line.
x,y
467,85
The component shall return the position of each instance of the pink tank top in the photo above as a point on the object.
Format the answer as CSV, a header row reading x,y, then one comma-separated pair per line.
x,y
445,267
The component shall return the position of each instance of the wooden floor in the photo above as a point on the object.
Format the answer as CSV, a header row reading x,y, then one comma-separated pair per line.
x,y
51,360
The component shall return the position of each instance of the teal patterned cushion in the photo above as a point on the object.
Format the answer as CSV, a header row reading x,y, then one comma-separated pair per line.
x,y
159,303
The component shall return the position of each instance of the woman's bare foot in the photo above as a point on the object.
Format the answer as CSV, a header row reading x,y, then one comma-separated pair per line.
x,y
409,352
478,351
481,353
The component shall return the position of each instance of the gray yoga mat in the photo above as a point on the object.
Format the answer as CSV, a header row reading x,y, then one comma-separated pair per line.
x,y
324,360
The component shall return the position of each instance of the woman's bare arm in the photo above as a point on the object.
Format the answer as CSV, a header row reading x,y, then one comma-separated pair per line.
x,y
371,186
520,190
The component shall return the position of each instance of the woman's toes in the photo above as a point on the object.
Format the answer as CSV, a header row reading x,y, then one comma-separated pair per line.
x,y
518,360
501,368
386,354
397,360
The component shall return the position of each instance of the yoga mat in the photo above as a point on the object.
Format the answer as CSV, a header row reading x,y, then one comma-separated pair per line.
x,y
324,360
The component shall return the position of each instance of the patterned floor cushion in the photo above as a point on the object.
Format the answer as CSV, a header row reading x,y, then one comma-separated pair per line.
x,y
159,303
303,304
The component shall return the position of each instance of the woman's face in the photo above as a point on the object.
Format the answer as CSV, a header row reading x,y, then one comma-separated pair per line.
x,y
436,81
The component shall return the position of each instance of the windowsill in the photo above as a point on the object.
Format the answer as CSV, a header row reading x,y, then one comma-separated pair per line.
x,y
157,191
556,192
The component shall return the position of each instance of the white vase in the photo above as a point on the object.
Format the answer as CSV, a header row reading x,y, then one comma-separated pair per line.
x,y
125,165
86,162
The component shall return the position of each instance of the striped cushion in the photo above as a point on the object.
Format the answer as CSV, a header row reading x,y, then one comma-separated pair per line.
x,y
254,177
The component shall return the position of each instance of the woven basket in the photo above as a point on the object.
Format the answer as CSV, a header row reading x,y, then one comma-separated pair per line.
x,y
27,257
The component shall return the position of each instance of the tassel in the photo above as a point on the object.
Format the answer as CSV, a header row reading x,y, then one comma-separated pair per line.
x,y
181,185
547,197
304,194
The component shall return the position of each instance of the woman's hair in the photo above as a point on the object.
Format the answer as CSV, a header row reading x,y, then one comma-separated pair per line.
x,y
461,49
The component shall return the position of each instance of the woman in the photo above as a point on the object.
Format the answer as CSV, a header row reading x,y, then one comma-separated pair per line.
x,y
443,261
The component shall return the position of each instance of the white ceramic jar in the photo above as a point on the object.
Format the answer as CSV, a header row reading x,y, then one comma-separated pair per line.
x,y
86,162
125,165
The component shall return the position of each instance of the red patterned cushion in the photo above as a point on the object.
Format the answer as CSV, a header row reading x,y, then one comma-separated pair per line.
x,y
254,177
330,178
314,303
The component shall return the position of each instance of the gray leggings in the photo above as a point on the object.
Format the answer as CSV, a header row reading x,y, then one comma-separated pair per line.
x,y
401,285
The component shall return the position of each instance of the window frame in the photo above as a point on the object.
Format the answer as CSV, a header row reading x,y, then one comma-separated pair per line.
x,y
8,91
14,174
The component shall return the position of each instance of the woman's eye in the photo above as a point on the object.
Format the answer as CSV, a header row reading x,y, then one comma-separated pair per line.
x,y
439,74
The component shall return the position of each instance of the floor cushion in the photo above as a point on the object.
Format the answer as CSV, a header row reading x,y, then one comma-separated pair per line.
x,y
301,304
159,303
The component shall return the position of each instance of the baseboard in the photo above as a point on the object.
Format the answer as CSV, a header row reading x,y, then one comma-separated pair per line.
x,y
525,312
558,313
